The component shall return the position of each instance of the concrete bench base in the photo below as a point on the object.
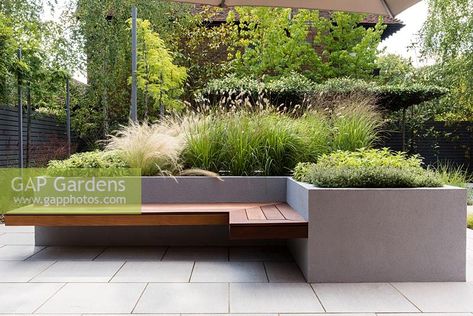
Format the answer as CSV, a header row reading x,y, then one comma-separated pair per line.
x,y
381,235
141,236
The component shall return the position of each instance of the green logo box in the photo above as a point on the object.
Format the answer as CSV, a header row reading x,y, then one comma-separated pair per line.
x,y
37,191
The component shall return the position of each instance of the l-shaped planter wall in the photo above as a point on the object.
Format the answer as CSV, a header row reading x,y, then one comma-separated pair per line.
x,y
380,235
174,190
355,235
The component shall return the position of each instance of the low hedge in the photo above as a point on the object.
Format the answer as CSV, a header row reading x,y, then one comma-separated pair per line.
x,y
295,89
367,168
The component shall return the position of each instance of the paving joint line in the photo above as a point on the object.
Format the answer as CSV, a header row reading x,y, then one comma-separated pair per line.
x,y
139,298
49,266
116,271
192,272
49,298
403,295
317,296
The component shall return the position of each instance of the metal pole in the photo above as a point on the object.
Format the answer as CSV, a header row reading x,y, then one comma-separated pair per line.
x,y
68,117
134,42
20,115
28,124
403,129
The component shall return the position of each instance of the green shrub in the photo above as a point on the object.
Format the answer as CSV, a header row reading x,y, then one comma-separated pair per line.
x,y
388,97
367,168
469,221
302,171
155,149
295,89
91,159
288,91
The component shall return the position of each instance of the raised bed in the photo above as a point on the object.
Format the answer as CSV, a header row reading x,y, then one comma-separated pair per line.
x,y
380,235
351,235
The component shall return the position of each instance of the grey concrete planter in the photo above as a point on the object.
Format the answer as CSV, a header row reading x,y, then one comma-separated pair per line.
x,y
174,190
213,190
380,235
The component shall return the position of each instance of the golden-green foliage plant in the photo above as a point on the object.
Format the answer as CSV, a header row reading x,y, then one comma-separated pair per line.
x,y
158,77
154,148
90,159
469,221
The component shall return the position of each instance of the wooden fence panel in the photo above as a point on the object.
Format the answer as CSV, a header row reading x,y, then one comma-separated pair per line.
x,y
48,138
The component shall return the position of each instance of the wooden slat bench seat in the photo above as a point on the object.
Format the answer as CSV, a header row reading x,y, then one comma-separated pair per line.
x,y
245,220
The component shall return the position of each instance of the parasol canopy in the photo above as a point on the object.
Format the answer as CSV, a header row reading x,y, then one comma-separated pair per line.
x,y
379,7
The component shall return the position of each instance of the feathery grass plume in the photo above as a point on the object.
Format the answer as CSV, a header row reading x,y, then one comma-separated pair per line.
x,y
356,123
155,149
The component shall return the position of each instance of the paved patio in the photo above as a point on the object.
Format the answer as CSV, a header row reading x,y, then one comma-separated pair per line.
x,y
198,280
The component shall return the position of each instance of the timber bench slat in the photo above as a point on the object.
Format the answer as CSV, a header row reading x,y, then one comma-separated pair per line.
x,y
245,220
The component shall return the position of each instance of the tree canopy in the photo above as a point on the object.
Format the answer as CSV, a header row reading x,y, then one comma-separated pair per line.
x,y
447,37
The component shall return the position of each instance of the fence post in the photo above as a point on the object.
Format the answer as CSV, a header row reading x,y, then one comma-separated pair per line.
x,y
20,114
28,124
68,117
134,44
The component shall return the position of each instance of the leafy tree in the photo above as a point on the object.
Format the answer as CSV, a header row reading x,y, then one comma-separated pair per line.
x,y
42,67
101,29
6,52
275,42
394,69
447,37
203,48
158,76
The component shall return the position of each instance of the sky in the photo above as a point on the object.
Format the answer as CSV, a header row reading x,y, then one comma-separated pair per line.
x,y
399,43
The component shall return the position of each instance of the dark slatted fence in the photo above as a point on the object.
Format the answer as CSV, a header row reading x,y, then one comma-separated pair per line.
x,y
438,141
47,138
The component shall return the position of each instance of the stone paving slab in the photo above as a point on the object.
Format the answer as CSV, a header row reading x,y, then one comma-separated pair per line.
x,y
132,254
17,239
273,298
362,297
25,297
439,297
78,271
68,253
94,298
172,271
199,281
21,271
286,272
196,254
15,252
184,298
229,272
